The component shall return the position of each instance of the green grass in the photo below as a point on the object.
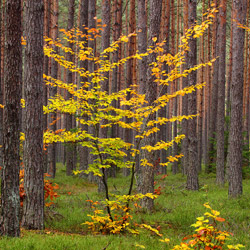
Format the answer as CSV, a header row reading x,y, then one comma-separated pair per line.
x,y
175,210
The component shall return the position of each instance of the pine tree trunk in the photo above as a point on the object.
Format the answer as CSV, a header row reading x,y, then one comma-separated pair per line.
x,y
220,158
235,131
192,173
184,125
105,83
208,96
173,102
214,98
163,112
147,172
53,90
1,89
128,136
10,198
91,67
142,67
46,72
201,94
70,148
33,212
83,23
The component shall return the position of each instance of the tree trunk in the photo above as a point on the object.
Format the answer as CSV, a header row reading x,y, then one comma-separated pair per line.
x,y
214,98
200,97
163,112
147,173
33,212
131,64
235,131
184,125
173,102
220,158
192,173
105,83
1,87
83,12
70,148
91,66
10,198
47,8
208,96
53,90
142,67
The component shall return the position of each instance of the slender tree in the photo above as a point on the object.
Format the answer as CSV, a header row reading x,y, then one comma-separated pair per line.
x,y
173,102
70,164
235,130
220,159
10,199
33,212
142,64
106,18
91,66
53,90
214,97
147,173
200,97
164,112
131,65
46,72
184,125
83,23
192,172
207,96
1,89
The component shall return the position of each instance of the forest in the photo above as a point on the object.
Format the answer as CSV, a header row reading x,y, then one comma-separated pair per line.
x,y
124,124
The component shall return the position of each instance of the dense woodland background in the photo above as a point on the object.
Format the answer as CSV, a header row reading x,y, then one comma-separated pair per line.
x,y
216,141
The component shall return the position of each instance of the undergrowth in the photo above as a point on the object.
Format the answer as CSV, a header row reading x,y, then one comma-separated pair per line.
x,y
176,209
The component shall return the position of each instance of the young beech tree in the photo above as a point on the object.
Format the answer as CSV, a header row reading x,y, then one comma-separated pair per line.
x,y
96,104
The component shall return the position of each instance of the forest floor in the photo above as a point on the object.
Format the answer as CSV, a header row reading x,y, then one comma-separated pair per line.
x,y
175,210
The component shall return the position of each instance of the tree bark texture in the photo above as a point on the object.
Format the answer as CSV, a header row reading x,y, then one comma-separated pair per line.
x,y
142,64
147,172
106,16
46,32
184,124
131,65
214,98
164,112
10,199
91,67
70,148
1,89
33,212
53,90
220,158
235,131
83,12
192,173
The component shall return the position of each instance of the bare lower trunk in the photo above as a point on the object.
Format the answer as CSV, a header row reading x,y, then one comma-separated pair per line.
x,y
192,172
235,131
33,212
10,198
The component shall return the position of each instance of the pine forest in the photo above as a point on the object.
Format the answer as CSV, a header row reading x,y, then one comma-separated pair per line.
x,y
124,124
